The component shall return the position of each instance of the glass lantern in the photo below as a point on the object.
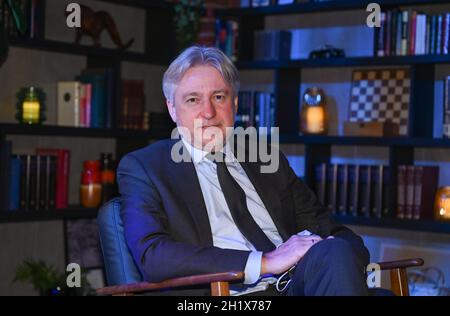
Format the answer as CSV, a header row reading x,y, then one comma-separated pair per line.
x,y
442,204
313,115
30,105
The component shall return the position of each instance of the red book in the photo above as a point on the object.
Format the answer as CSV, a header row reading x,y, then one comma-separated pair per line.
x,y
62,174
412,33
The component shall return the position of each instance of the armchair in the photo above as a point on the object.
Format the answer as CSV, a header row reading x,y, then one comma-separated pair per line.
x,y
124,278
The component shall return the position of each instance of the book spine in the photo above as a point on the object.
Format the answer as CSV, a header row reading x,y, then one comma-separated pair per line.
x,y
42,200
375,192
342,186
52,182
404,40
381,35
412,33
353,183
62,179
14,183
321,174
409,199
439,34
401,190
386,190
418,174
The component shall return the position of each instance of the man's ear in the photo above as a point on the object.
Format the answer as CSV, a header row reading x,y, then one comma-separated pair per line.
x,y
172,111
235,101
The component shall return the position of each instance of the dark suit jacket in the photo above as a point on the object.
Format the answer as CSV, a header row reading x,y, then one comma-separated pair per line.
x,y
166,222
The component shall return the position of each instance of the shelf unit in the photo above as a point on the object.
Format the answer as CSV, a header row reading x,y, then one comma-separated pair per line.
x,y
70,213
159,50
287,81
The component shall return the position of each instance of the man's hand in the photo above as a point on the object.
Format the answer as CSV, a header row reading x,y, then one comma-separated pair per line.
x,y
287,254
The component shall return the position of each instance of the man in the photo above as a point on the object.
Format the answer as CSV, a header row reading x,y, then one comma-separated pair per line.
x,y
213,215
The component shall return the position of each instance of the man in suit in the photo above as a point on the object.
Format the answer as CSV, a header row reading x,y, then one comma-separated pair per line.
x,y
215,213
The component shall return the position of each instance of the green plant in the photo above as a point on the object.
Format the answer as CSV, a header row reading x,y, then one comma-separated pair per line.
x,y
47,281
20,23
187,21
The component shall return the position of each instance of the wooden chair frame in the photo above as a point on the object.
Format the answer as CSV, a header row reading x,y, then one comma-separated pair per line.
x,y
219,282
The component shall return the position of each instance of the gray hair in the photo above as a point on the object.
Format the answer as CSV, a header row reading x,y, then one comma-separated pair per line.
x,y
197,56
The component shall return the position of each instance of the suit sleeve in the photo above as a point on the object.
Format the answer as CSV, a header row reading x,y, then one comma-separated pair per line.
x,y
311,215
147,233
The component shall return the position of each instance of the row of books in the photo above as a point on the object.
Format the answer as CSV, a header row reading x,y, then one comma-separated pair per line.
x,y
89,101
255,109
227,37
39,181
413,33
353,189
446,120
132,110
263,3
31,13
416,188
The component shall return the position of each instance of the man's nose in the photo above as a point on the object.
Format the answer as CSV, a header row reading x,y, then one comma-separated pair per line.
x,y
208,110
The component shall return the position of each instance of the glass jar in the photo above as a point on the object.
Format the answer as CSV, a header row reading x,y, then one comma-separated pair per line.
x,y
91,186
313,115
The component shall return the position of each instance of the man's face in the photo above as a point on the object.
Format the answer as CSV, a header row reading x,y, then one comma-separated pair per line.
x,y
203,105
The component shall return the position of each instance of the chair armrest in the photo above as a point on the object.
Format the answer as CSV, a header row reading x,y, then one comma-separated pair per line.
x,y
401,264
176,282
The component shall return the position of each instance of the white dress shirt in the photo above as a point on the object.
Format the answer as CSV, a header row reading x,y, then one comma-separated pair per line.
x,y
225,233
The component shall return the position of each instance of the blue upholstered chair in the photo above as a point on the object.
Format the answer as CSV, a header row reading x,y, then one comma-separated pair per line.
x,y
122,274
124,278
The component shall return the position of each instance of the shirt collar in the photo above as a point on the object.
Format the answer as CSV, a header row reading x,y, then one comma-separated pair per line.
x,y
199,155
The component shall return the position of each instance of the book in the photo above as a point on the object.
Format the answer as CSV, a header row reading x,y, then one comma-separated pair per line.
x,y
321,175
386,190
32,194
98,97
14,183
68,107
342,186
409,192
353,189
401,191
426,181
25,162
364,191
331,188
5,158
62,174
376,190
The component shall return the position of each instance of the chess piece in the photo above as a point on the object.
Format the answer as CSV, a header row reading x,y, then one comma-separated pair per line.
x,y
94,22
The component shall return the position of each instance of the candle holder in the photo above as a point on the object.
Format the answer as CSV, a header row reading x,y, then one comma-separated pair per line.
x,y
30,105
442,204
313,115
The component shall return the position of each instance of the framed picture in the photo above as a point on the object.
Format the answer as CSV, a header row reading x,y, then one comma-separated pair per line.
x,y
83,244
381,95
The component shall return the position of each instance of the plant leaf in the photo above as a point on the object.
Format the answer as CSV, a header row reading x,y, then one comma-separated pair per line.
x,y
18,16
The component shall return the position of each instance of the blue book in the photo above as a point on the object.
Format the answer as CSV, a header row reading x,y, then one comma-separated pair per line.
x,y
14,184
98,100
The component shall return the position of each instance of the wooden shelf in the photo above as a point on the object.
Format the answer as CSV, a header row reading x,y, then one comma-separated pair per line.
x,y
365,141
310,7
74,49
345,62
394,223
152,4
52,130
73,212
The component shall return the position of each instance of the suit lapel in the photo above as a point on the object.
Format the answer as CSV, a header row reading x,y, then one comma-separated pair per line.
x,y
184,177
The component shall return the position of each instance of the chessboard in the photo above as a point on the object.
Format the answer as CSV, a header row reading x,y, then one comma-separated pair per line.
x,y
381,95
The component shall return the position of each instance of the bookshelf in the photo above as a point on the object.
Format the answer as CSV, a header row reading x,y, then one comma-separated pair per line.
x,y
159,49
287,76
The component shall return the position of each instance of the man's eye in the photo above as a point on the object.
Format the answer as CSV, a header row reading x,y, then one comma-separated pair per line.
x,y
220,97
191,100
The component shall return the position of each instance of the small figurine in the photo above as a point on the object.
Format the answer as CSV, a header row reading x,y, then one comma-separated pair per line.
x,y
327,51
94,22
